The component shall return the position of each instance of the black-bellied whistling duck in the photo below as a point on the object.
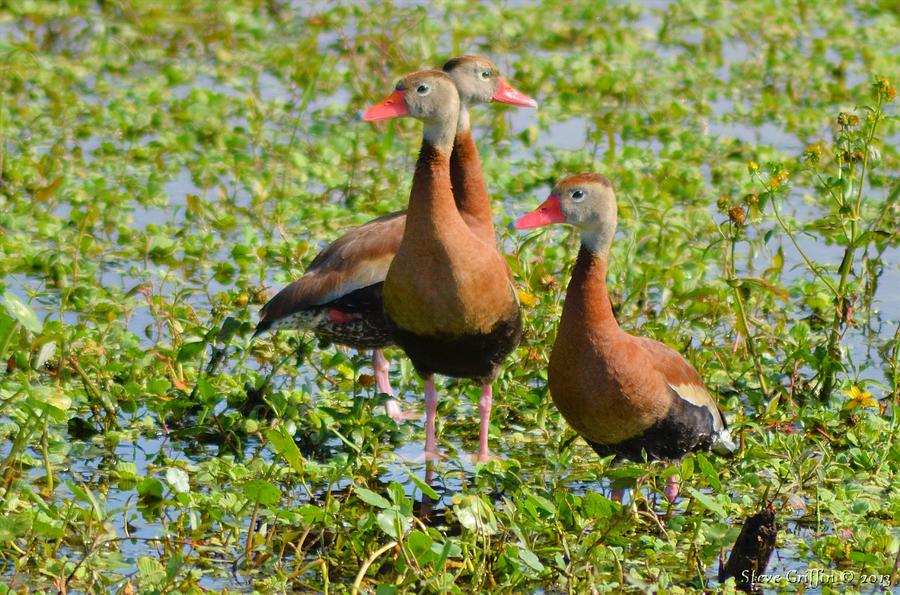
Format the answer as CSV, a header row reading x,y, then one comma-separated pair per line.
x,y
339,296
623,394
448,297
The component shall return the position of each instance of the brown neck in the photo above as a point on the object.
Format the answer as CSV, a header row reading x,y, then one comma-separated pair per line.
x,y
431,198
587,298
469,189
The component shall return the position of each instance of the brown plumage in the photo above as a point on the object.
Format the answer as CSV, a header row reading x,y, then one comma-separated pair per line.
x,y
444,282
447,295
357,260
624,394
469,190
339,296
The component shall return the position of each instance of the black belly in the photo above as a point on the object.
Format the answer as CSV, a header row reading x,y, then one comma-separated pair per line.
x,y
368,329
477,356
364,333
685,428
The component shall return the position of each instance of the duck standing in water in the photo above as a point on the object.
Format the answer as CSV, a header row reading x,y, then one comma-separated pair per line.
x,y
625,395
448,296
339,295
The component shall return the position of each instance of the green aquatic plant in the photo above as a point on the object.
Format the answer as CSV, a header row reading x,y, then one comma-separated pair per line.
x,y
164,168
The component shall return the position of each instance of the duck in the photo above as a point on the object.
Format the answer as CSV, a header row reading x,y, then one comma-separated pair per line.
x,y
339,298
448,295
625,395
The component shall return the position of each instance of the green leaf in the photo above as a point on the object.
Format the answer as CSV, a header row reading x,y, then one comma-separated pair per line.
x,y
687,467
47,527
475,514
598,506
151,489
540,502
420,545
531,560
190,350
707,502
229,327
393,523
284,444
85,494
125,470
419,483
370,497
262,492
8,325
158,386
150,571
22,312
709,472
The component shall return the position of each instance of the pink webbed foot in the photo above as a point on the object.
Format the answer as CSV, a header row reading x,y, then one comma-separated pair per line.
x,y
396,413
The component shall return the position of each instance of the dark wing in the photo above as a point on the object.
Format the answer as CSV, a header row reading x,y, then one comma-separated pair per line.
x,y
686,384
356,260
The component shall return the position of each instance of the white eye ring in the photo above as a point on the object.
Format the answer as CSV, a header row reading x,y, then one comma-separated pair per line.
x,y
577,195
423,89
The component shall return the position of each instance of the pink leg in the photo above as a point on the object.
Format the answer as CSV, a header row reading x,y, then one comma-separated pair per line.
x,y
380,365
484,412
431,401
672,489
383,384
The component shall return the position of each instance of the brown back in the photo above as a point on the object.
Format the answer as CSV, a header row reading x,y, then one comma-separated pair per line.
x,y
359,258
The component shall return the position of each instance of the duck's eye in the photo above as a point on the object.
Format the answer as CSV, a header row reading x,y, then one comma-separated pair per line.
x,y
423,89
578,195
485,74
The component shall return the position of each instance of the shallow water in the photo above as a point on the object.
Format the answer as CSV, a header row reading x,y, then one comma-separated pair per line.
x,y
87,462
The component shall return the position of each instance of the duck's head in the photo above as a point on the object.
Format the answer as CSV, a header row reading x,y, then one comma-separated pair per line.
x,y
478,81
586,201
429,96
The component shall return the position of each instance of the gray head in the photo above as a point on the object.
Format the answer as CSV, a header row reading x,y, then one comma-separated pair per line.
x,y
427,95
478,81
586,201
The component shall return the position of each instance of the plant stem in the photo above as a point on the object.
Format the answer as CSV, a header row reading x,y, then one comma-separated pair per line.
x,y
365,567
45,452
809,263
840,319
742,314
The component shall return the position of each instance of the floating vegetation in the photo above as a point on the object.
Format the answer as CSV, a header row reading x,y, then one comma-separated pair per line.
x,y
165,169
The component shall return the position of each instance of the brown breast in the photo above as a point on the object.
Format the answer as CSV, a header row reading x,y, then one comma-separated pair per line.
x,y
444,279
602,379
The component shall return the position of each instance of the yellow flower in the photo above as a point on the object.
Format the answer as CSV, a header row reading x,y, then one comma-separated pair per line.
x,y
527,299
753,167
778,180
859,398
884,87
